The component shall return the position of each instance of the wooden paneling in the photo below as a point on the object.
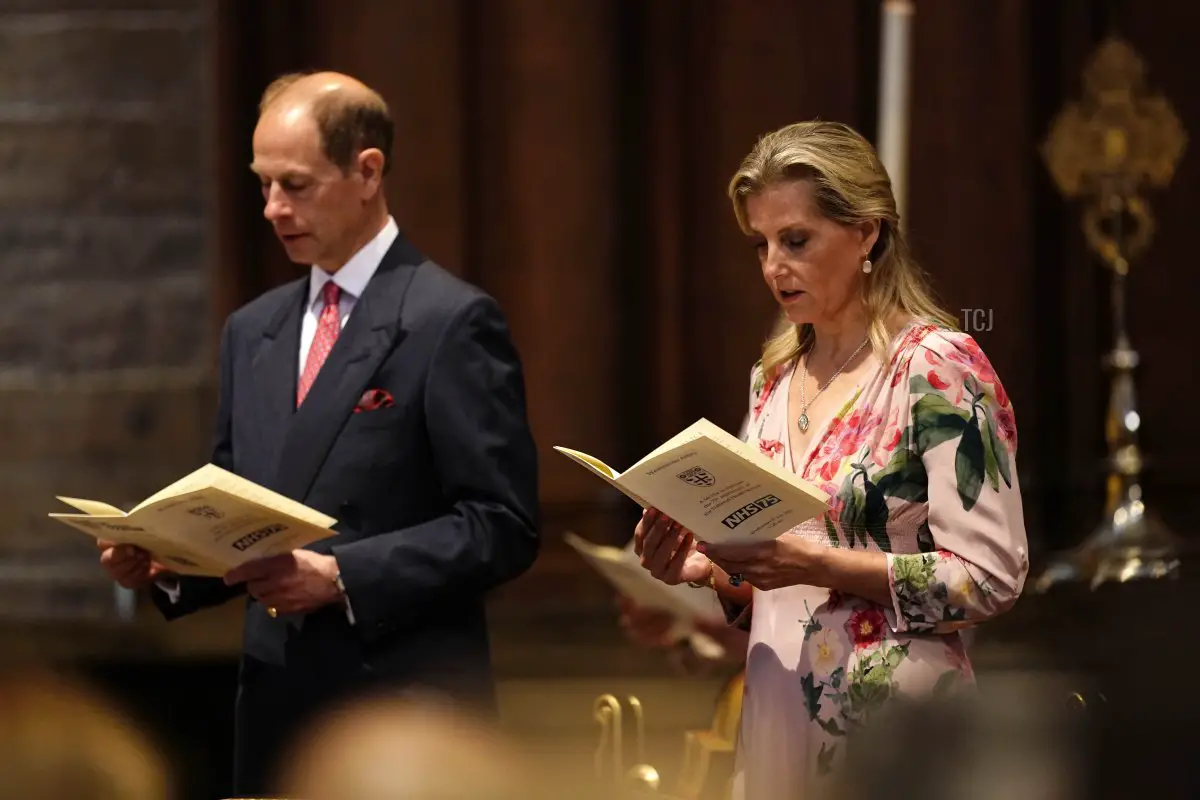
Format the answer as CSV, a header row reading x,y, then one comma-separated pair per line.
x,y
572,159
546,129
412,52
753,68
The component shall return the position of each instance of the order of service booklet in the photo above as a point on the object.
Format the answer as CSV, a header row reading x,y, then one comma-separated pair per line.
x,y
206,523
624,570
715,485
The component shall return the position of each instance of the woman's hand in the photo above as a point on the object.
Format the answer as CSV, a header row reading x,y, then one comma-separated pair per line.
x,y
668,550
647,627
786,561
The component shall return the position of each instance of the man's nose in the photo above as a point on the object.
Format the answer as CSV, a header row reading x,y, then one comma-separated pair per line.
x,y
275,206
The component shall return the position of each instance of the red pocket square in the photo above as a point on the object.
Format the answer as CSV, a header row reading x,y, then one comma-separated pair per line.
x,y
373,399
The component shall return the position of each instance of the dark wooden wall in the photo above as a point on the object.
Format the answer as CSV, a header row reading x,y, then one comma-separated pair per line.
x,y
571,158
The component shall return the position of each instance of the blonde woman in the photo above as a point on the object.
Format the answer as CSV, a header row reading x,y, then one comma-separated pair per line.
x,y
868,391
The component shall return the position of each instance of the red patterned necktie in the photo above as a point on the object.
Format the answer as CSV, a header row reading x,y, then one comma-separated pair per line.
x,y
328,327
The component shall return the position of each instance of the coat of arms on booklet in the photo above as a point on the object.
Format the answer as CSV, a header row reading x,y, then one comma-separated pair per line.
x,y
715,485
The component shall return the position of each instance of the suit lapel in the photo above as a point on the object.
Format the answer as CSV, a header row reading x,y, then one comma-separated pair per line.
x,y
275,371
372,331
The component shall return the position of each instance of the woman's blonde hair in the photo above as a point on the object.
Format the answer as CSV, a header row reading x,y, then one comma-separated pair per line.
x,y
851,186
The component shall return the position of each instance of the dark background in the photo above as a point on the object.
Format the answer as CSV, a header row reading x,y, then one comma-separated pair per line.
x,y
571,157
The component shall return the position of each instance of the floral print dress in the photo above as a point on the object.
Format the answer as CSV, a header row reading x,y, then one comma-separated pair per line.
x,y
920,464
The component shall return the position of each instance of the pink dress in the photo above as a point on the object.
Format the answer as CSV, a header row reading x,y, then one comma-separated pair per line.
x,y
920,464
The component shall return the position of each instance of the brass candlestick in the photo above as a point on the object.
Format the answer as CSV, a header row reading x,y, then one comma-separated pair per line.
x,y
642,779
1106,150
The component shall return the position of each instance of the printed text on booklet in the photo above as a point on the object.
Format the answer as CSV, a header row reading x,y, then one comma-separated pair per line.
x,y
715,485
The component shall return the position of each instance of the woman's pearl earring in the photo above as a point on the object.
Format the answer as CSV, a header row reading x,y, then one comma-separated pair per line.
x,y
866,265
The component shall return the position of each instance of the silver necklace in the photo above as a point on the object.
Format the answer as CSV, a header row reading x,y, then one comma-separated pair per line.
x,y
802,421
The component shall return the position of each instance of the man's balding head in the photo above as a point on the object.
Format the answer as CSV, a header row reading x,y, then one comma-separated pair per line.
x,y
321,148
350,116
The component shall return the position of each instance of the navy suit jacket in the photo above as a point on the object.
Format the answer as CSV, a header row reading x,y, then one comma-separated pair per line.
x,y
435,496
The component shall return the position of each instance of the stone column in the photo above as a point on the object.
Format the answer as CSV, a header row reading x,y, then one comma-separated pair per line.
x,y
106,229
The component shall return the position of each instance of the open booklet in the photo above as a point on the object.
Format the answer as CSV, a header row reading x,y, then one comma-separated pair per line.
x,y
622,568
715,485
206,523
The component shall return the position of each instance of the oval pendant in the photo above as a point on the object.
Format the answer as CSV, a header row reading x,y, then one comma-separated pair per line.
x,y
803,423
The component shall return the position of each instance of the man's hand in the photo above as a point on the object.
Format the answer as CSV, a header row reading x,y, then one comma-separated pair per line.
x,y
295,583
128,565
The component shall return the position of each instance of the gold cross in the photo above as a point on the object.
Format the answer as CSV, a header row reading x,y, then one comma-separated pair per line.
x,y
1108,147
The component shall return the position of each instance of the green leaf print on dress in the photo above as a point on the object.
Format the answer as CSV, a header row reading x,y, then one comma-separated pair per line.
x,y
868,688
981,455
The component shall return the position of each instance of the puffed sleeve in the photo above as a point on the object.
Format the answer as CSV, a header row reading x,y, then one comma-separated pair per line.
x,y
962,427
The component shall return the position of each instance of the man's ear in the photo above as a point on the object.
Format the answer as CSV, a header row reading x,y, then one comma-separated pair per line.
x,y
370,167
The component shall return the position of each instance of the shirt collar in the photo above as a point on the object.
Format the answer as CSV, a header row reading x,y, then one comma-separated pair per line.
x,y
354,275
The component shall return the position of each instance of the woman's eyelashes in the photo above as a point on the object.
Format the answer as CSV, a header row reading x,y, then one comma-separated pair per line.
x,y
792,243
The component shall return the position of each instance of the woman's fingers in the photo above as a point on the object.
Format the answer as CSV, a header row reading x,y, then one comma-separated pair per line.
x,y
661,544
657,529
674,568
649,517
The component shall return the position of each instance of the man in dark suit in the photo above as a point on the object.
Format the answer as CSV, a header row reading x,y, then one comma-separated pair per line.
x,y
385,392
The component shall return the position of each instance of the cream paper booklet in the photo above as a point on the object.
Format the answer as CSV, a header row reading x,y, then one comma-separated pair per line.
x,y
715,485
206,523
622,568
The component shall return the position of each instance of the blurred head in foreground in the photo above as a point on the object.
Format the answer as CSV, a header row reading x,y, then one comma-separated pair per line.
x,y
1022,738
403,748
59,739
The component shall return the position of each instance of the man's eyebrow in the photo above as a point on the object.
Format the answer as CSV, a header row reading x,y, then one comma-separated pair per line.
x,y
289,175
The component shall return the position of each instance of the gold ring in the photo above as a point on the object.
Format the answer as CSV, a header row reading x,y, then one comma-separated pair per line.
x,y
271,612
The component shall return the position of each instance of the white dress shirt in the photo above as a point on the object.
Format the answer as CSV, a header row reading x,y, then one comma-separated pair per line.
x,y
352,280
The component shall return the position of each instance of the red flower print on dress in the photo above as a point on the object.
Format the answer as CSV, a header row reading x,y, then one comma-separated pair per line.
x,y
932,357
846,437
1006,426
971,357
833,435
763,396
770,447
936,382
848,442
866,626
828,470
1001,395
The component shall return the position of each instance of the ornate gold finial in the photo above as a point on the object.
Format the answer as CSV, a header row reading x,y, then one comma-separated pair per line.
x,y
607,711
1118,140
1106,149
642,779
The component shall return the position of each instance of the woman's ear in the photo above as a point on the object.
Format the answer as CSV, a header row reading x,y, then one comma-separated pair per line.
x,y
869,231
